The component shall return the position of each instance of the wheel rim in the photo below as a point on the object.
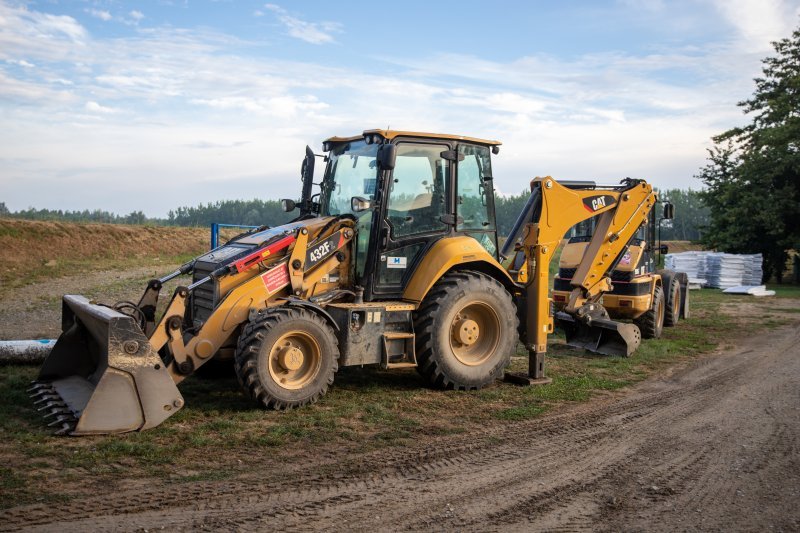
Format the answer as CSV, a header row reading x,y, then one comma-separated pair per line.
x,y
474,333
294,360
660,314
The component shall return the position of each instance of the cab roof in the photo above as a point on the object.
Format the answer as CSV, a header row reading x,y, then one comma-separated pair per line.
x,y
391,134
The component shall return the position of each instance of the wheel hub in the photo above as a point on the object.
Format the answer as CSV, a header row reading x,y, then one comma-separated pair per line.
x,y
290,357
467,331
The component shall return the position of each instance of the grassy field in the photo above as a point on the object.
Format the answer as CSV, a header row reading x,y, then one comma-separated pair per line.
x,y
220,431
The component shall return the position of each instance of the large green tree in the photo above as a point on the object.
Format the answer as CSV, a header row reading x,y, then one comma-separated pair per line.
x,y
753,175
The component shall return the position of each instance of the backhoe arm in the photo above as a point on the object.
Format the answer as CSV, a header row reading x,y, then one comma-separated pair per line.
x,y
552,210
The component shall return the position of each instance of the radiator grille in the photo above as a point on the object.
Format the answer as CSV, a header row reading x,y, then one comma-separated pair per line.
x,y
204,297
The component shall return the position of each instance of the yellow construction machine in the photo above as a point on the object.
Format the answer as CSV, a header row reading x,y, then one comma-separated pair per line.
x,y
394,261
640,291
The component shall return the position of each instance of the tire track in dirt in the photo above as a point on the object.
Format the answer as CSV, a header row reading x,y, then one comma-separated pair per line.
x,y
594,466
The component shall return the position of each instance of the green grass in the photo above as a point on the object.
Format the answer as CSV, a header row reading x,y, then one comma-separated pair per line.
x,y
220,433
784,290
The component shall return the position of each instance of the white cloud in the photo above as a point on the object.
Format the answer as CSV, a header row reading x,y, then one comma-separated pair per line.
x,y
760,21
100,14
94,107
310,32
38,35
136,15
21,63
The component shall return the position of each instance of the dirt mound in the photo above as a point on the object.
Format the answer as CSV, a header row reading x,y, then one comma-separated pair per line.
x,y
31,242
683,246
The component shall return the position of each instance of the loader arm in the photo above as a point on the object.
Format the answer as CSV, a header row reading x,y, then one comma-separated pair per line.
x,y
551,211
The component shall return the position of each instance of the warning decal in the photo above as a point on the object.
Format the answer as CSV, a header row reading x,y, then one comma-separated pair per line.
x,y
276,278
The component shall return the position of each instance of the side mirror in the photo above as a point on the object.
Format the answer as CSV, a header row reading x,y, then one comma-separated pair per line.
x,y
663,249
387,155
669,211
307,173
288,205
359,204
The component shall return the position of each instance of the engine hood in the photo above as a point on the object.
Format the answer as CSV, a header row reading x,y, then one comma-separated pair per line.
x,y
262,236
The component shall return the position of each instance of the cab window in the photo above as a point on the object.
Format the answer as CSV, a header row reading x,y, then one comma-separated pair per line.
x,y
472,201
417,195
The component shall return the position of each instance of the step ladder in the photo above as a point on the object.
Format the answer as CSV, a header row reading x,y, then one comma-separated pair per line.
x,y
398,350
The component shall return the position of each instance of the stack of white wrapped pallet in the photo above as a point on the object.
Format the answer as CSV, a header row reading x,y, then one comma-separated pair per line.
x,y
741,273
725,270
754,272
693,263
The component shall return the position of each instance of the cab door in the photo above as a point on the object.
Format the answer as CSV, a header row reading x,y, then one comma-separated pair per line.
x,y
417,204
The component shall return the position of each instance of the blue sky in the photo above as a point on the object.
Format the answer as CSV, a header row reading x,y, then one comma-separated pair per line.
x,y
150,105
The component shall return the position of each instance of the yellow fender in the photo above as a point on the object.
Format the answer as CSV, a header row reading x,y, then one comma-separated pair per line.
x,y
448,253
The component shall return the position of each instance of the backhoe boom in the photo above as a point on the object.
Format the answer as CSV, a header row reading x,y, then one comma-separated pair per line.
x,y
553,209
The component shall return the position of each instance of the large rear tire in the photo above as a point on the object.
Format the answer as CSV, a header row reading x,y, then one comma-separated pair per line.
x,y
466,331
286,357
673,304
651,323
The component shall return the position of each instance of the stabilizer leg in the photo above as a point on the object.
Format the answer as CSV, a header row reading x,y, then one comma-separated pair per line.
x,y
535,372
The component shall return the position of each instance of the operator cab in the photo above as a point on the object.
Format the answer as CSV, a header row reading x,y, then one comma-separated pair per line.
x,y
407,190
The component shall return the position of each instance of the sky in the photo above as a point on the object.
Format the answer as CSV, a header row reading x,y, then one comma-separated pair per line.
x,y
147,106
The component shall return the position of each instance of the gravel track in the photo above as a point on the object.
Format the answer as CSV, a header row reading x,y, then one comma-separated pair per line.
x,y
712,447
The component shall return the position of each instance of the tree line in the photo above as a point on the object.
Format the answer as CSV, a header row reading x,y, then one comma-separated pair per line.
x,y
691,214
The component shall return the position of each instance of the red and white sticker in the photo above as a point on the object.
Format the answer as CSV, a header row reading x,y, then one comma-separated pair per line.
x,y
276,278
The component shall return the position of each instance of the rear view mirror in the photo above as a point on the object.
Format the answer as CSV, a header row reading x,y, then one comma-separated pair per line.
x,y
669,211
288,205
387,155
307,173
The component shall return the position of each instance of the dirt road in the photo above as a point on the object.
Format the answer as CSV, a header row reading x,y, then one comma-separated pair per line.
x,y
711,447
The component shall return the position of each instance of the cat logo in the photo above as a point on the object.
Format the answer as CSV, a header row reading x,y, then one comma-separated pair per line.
x,y
596,203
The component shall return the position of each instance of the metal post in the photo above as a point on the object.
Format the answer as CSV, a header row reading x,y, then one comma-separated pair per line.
x,y
214,235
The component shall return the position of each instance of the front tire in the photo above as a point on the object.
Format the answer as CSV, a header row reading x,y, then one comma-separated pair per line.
x,y
651,323
466,331
286,357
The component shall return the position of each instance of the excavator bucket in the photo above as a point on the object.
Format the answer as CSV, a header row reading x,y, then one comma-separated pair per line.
x,y
102,375
600,335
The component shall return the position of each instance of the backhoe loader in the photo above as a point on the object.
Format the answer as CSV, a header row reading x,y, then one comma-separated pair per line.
x,y
393,261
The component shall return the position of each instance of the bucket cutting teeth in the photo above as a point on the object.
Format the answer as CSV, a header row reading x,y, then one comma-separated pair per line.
x,y
66,429
59,411
36,385
52,404
47,401
62,420
50,397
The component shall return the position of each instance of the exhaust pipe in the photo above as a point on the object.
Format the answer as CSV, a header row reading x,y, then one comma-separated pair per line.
x,y
103,376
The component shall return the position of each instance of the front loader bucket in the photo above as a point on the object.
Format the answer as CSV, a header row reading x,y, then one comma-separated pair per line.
x,y
600,335
102,375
